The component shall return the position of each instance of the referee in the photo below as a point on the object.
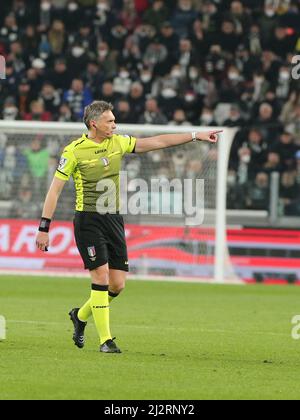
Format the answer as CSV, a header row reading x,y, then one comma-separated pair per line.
x,y
100,234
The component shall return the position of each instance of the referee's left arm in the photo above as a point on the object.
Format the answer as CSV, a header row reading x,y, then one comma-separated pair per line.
x,y
171,140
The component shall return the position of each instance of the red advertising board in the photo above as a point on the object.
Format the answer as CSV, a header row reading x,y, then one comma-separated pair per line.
x,y
156,250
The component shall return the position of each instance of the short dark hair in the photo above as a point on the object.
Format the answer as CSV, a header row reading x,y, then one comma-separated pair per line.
x,y
95,110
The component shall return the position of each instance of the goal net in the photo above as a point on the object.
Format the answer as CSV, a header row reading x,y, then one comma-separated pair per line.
x,y
173,201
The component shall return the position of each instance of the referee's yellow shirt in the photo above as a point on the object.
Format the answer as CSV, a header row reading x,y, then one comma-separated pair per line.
x,y
91,165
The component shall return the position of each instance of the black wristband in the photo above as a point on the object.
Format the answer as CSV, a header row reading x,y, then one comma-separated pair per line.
x,y
45,225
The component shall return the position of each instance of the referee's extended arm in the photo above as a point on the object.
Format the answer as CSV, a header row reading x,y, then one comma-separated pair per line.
x,y
42,240
170,140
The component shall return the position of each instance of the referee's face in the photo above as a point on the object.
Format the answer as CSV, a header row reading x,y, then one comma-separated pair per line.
x,y
105,125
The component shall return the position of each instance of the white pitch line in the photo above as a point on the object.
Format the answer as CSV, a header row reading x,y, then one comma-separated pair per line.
x,y
147,327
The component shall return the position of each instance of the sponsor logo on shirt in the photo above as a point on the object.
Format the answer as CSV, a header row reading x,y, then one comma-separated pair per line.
x,y
100,151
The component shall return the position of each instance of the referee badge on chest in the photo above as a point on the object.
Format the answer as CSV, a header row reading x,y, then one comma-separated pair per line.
x,y
92,253
105,162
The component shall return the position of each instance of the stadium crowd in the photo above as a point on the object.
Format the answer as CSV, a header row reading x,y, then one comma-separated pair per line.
x,y
180,62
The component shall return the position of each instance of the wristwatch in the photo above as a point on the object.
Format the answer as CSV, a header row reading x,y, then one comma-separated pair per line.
x,y
194,136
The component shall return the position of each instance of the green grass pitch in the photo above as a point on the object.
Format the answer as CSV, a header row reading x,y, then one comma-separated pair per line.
x,y
179,341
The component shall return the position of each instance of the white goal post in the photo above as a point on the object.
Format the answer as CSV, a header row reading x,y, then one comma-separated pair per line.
x,y
222,272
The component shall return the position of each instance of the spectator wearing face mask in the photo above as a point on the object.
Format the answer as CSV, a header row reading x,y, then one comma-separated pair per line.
x,y
232,87
77,60
107,60
248,159
169,100
36,75
284,83
146,78
207,118
72,16
10,112
191,104
268,21
122,83
46,13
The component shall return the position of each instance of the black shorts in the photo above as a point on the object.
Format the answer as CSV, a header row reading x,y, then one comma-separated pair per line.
x,y
100,239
